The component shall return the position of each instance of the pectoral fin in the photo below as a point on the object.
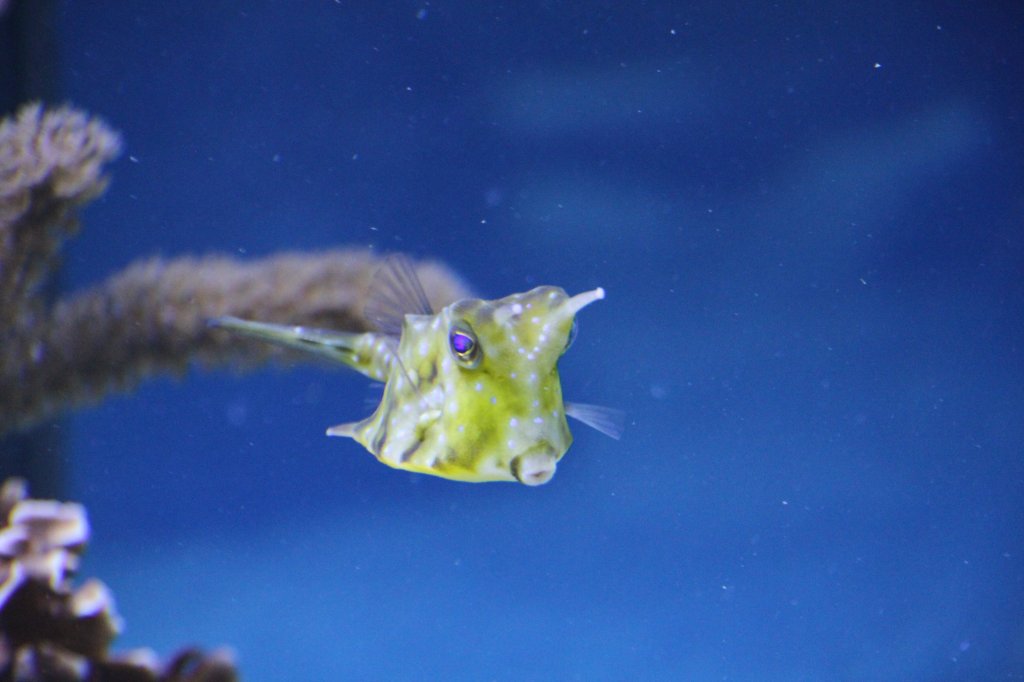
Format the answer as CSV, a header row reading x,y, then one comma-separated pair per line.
x,y
344,430
607,420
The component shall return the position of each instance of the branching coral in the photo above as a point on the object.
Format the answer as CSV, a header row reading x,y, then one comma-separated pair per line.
x,y
151,316
50,164
49,631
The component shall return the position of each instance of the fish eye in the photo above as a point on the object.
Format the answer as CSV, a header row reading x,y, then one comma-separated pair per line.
x,y
572,334
464,344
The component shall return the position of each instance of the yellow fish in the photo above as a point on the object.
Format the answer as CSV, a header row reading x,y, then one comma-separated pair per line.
x,y
471,392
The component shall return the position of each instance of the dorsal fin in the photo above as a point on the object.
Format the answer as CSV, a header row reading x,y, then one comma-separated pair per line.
x,y
395,292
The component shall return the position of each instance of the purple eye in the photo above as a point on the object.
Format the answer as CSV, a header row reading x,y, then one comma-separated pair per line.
x,y
464,345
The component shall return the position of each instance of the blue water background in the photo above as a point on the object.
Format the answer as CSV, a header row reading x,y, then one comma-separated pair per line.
x,y
808,219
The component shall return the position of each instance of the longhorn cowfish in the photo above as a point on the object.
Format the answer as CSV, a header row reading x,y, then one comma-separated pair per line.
x,y
471,392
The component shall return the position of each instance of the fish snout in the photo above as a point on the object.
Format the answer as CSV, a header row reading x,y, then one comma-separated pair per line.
x,y
534,469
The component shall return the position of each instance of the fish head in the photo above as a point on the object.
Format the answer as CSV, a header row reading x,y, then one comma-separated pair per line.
x,y
501,413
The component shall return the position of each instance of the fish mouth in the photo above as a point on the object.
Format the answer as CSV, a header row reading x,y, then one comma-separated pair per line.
x,y
533,469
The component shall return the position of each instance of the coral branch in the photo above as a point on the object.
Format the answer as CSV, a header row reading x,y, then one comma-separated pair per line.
x,y
50,165
151,316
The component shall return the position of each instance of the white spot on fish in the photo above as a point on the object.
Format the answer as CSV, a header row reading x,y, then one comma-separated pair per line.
x,y
479,386
543,338
535,320
538,420
536,403
517,309
494,400
510,443
461,428
553,295
424,347
530,356
513,375
533,376
522,350
513,422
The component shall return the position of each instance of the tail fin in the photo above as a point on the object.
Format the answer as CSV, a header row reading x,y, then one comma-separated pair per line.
x,y
333,345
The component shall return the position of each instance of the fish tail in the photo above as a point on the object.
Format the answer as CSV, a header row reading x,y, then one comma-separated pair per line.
x,y
333,345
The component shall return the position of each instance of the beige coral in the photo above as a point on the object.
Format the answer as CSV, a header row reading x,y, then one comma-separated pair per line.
x,y
51,631
50,164
151,316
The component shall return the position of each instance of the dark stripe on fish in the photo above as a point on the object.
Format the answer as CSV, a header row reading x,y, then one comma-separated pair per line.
x,y
407,455
431,375
379,438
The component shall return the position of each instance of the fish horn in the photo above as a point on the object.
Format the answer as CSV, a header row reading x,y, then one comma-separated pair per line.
x,y
580,301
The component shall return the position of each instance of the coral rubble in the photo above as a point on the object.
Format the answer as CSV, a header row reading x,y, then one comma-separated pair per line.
x,y
50,631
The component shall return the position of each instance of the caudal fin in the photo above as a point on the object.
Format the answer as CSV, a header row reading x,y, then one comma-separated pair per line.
x,y
333,345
